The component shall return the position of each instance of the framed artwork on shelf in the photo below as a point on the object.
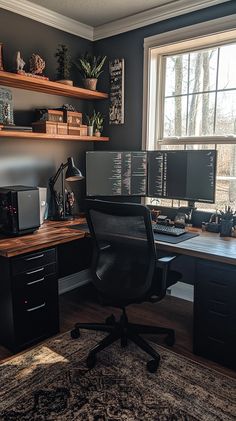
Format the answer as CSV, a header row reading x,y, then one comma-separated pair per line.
x,y
6,107
116,107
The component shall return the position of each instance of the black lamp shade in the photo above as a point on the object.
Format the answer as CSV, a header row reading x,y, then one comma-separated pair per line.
x,y
72,173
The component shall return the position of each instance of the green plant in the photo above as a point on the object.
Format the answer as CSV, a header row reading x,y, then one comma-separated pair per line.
x,y
91,119
90,67
64,62
99,122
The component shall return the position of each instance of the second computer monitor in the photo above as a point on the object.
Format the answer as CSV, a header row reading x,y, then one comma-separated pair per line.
x,y
187,175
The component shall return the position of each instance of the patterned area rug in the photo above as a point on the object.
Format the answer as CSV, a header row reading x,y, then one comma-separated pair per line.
x,y
52,383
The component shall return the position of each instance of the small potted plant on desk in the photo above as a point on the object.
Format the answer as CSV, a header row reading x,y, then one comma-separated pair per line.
x,y
90,68
226,222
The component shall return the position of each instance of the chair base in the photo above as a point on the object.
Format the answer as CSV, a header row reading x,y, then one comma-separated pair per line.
x,y
124,331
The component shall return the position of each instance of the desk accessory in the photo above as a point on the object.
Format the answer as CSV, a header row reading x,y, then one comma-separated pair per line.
x,y
72,174
226,222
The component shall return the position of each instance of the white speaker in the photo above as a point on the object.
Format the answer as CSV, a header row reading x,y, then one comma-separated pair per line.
x,y
42,203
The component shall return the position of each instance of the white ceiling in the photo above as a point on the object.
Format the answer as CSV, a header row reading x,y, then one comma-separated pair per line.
x,y
97,19
99,12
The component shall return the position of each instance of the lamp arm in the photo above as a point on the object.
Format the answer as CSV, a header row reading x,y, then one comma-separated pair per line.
x,y
53,179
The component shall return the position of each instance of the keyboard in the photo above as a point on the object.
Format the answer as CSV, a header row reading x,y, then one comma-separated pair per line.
x,y
168,229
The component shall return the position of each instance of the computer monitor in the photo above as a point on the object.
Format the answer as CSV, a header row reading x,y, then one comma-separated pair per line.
x,y
185,175
116,173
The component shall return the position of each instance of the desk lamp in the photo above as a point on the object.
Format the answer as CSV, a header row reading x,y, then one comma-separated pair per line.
x,y
72,174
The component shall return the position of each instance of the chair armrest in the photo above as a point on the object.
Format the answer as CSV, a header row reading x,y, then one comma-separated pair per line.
x,y
165,261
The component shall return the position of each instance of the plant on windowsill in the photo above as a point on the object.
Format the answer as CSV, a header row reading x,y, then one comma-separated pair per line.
x,y
64,65
90,67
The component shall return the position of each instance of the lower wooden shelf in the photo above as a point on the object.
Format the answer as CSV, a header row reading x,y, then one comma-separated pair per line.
x,y
46,136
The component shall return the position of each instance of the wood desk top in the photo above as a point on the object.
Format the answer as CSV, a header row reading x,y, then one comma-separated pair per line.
x,y
51,233
207,245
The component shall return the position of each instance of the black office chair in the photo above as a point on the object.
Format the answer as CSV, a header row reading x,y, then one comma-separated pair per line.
x,y
125,270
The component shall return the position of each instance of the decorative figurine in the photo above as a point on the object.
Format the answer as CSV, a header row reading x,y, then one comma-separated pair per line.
x,y
20,63
70,200
37,64
1,58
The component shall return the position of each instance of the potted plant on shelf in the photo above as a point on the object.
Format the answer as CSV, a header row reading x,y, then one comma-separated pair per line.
x,y
98,124
91,121
90,68
64,65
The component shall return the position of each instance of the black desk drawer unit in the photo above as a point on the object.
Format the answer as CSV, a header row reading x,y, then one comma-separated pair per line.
x,y
215,312
28,299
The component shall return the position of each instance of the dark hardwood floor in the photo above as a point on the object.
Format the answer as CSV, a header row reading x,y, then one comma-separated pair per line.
x,y
82,305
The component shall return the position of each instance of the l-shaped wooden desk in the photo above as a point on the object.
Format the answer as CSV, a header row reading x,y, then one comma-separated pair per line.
x,y
29,287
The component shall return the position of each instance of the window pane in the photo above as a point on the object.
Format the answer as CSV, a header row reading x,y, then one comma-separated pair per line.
x,y
202,71
226,160
201,114
227,64
225,193
226,113
176,75
175,116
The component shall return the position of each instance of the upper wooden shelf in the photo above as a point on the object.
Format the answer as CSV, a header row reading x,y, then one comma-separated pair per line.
x,y
14,134
48,87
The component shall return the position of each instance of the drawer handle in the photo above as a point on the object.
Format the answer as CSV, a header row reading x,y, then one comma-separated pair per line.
x,y
36,308
35,282
34,271
35,257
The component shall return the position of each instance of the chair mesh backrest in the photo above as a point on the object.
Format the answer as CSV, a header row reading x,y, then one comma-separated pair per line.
x,y
124,257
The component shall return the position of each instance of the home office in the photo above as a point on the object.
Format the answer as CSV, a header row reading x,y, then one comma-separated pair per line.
x,y
169,312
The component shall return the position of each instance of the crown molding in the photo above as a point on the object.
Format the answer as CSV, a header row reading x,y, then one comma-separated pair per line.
x,y
157,14
48,17
139,20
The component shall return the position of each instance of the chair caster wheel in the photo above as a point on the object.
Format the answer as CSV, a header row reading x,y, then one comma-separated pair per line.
x,y
170,339
110,320
75,333
91,360
153,365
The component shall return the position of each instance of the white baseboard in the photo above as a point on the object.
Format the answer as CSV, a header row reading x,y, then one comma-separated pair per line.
x,y
74,281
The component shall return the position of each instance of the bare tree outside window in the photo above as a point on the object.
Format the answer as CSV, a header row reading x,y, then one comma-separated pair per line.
x,y
200,100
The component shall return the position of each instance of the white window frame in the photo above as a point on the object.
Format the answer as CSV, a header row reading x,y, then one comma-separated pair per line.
x,y
210,33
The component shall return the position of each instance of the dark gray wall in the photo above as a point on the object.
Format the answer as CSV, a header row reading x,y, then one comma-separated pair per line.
x,y
37,160
33,162
130,47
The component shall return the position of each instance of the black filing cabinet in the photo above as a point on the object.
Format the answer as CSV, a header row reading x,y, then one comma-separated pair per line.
x,y
215,312
28,299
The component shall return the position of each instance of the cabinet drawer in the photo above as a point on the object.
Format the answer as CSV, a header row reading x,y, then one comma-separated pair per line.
x,y
36,311
33,295
33,276
32,261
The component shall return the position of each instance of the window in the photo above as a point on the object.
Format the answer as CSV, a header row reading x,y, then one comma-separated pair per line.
x,y
191,104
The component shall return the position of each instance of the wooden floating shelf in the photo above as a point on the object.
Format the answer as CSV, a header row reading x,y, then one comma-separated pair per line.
x,y
47,86
5,134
